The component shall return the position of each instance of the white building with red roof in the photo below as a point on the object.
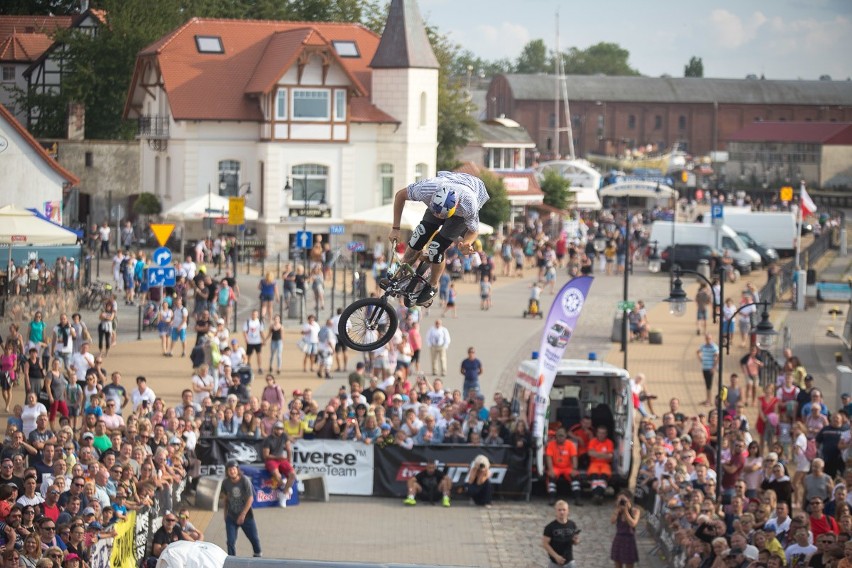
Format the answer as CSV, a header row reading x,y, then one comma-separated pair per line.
x,y
332,108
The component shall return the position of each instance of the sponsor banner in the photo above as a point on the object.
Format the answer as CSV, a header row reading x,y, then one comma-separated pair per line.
x,y
142,532
558,328
510,472
123,553
348,466
265,492
100,553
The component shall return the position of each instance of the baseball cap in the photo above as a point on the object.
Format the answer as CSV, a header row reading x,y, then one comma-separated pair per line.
x,y
750,553
88,511
221,321
88,435
700,458
174,440
71,556
297,392
95,525
397,397
278,424
809,377
845,395
386,426
232,463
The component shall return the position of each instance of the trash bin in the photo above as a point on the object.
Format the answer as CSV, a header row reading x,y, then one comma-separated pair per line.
x,y
294,310
704,268
615,336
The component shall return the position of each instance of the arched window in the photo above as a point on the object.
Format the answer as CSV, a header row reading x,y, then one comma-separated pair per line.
x,y
423,109
421,172
681,122
229,178
386,182
315,177
631,121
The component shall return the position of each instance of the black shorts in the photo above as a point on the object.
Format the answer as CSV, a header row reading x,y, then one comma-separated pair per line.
x,y
445,231
415,357
253,348
339,347
708,378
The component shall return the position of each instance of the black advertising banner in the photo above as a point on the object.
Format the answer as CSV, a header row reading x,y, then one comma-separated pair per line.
x,y
394,466
214,453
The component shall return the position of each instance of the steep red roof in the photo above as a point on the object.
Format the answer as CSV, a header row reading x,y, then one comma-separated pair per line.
x,y
23,48
832,133
214,86
33,24
42,153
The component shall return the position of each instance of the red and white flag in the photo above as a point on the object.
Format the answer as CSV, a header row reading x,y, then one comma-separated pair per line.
x,y
808,205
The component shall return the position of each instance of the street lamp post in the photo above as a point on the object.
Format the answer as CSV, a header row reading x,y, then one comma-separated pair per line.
x,y
305,205
764,332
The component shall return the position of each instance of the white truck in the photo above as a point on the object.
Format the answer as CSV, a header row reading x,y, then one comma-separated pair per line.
x,y
720,237
592,388
773,229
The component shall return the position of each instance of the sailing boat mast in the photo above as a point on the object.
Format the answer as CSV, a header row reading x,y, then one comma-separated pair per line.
x,y
562,94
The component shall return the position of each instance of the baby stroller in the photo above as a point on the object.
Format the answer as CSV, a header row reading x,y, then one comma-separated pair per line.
x,y
533,309
149,315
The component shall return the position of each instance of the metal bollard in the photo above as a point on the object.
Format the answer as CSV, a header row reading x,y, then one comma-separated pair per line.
x,y
281,307
139,325
262,266
333,285
278,266
236,307
344,284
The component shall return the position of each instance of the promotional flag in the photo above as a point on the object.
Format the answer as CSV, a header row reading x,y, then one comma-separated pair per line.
x,y
558,328
808,205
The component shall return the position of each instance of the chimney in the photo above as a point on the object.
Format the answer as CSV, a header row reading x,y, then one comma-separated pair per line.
x,y
76,121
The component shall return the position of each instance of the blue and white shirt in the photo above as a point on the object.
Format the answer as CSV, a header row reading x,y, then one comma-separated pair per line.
x,y
470,190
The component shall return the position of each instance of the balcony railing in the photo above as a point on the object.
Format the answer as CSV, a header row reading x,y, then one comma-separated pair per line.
x,y
153,127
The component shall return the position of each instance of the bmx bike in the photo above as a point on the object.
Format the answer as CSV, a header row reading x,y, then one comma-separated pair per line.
x,y
369,323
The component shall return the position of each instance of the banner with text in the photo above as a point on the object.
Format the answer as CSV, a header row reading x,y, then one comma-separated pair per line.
x,y
123,554
100,553
510,471
348,466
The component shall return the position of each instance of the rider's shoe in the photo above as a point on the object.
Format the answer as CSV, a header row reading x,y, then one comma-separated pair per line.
x,y
426,295
384,283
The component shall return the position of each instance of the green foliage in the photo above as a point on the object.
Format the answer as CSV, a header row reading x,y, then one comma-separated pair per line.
x,y
555,188
533,58
53,110
498,208
606,58
478,67
147,204
455,124
695,67
37,7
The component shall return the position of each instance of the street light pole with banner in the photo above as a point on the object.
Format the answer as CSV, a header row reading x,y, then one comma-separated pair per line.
x,y
558,328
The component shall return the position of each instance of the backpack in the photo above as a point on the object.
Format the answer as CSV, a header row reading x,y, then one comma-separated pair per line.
x,y
811,450
224,296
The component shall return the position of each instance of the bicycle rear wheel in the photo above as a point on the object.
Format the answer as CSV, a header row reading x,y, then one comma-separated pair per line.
x,y
367,324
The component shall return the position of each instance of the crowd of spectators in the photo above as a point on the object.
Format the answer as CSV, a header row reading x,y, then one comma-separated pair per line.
x,y
784,498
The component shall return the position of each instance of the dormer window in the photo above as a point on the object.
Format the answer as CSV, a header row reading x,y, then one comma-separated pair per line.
x,y
346,48
209,44
311,104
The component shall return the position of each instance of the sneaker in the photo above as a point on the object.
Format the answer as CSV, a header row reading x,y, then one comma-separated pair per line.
x,y
410,501
445,501
426,295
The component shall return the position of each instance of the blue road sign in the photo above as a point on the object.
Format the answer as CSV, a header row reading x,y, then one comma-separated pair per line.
x,y
337,229
162,256
717,211
304,239
161,276
355,246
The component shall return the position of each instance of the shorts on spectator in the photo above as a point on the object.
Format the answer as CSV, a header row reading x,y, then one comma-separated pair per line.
x,y
415,357
178,334
253,348
702,315
280,465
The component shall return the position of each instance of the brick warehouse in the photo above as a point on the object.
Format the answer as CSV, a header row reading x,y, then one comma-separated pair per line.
x,y
612,114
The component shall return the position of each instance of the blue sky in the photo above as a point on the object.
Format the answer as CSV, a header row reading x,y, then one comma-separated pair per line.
x,y
784,39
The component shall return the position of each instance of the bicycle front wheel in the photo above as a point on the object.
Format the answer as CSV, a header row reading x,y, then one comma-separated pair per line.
x,y
367,324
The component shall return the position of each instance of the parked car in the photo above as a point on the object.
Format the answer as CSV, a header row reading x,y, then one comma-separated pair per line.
x,y
768,255
689,257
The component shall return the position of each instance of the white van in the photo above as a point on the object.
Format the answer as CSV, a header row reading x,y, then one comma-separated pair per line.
x,y
720,237
772,229
581,388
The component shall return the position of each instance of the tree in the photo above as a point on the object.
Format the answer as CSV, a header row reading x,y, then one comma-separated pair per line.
x,y
695,67
601,58
37,7
533,58
455,124
498,208
555,188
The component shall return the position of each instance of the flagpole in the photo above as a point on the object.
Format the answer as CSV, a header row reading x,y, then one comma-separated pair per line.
x,y
799,227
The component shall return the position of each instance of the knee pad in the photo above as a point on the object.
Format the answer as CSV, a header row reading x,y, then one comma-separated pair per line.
x,y
435,251
416,235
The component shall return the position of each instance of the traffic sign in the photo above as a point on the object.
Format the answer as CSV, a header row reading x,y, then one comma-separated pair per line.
x,y
164,276
337,229
236,210
717,211
304,239
625,306
355,246
786,193
162,256
162,232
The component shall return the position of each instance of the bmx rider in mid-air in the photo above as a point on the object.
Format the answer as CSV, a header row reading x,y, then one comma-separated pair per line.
x,y
453,201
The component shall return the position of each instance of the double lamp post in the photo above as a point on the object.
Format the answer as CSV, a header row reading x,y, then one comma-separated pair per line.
x,y
305,205
764,333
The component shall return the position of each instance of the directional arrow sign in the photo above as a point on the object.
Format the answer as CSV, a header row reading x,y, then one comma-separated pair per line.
x,y
304,239
162,256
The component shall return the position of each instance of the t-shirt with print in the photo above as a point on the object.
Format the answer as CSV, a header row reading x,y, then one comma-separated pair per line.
x,y
253,329
561,538
238,492
797,556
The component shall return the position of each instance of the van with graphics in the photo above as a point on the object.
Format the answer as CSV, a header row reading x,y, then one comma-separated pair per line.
x,y
559,334
581,388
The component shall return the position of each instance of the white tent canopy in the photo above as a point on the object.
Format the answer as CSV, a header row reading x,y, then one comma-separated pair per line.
x,y
646,189
411,215
586,198
22,227
202,206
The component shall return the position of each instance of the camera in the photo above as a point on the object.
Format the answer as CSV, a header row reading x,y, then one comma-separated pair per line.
x,y
482,466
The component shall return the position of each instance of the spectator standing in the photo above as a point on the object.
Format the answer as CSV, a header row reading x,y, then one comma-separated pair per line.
x,y
438,340
253,334
560,537
625,517
471,369
703,300
310,342
708,355
239,496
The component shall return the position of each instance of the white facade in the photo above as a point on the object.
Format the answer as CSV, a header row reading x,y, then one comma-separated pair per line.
x,y
26,177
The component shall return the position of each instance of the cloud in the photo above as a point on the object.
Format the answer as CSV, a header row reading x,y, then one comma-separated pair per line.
x,y
503,40
730,31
